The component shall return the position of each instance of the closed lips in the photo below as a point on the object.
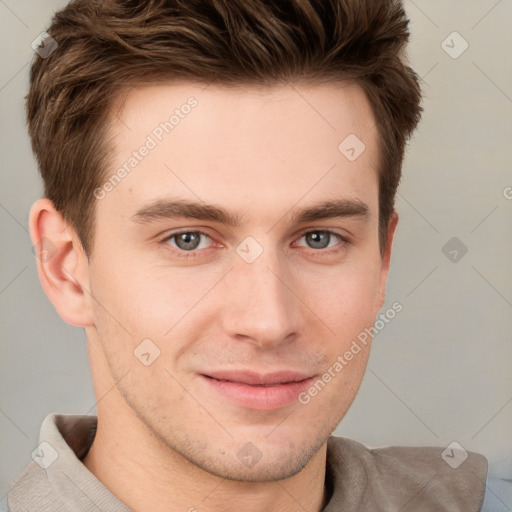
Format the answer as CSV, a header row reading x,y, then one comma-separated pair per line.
x,y
255,379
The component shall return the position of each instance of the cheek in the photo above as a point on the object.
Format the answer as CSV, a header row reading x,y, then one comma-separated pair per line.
x,y
345,299
134,303
127,289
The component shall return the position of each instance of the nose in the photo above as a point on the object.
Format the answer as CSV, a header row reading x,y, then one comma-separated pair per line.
x,y
262,307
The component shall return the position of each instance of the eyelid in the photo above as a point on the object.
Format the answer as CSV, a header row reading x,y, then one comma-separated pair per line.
x,y
188,230
333,231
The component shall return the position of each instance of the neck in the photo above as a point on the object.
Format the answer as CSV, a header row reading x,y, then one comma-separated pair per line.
x,y
147,475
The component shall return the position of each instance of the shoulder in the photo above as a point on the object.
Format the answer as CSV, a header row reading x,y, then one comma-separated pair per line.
x,y
45,485
413,478
32,489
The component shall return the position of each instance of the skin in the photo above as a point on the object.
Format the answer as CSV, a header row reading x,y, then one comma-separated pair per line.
x,y
166,441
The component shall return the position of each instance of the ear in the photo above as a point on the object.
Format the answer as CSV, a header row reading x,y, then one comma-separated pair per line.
x,y
386,258
62,264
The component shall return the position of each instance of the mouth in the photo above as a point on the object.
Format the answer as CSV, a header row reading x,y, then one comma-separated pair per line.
x,y
256,391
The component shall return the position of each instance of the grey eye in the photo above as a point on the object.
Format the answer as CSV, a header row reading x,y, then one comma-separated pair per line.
x,y
318,239
187,241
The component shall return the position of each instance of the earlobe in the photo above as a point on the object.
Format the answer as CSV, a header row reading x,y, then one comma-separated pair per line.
x,y
61,263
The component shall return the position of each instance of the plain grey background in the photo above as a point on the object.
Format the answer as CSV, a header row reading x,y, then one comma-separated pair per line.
x,y
441,371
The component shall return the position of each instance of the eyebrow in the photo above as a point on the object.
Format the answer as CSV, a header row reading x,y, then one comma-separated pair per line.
x,y
171,209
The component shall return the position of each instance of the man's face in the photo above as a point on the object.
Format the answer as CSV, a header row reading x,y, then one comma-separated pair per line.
x,y
233,313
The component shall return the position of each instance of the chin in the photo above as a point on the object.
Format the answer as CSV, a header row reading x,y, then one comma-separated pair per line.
x,y
258,461
261,471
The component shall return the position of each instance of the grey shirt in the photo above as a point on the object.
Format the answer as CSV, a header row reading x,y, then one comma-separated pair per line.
x,y
358,478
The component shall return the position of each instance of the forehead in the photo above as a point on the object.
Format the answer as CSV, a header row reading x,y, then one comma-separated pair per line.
x,y
328,107
242,145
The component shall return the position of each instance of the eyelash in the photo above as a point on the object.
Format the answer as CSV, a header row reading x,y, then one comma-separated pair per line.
x,y
193,254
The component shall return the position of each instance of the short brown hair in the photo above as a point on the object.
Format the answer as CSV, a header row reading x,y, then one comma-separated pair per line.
x,y
103,46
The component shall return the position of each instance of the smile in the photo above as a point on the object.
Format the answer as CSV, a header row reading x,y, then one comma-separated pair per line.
x,y
250,390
